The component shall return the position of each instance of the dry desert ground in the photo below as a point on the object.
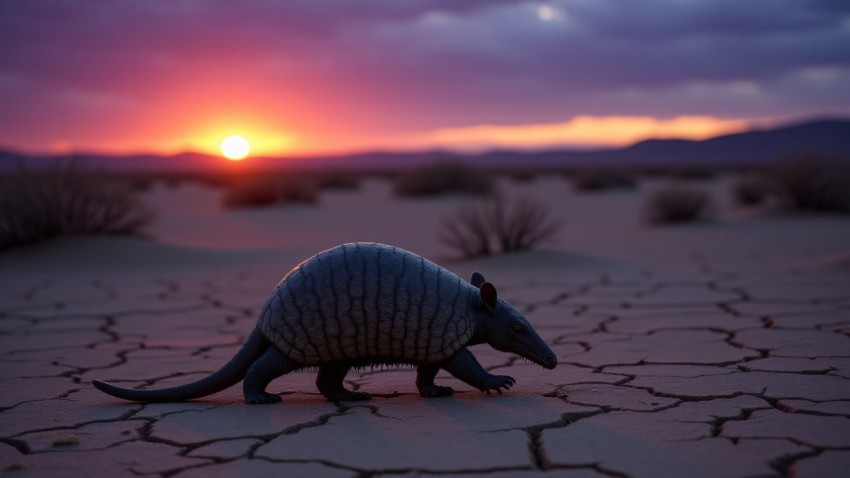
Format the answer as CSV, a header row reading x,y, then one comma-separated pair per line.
x,y
715,349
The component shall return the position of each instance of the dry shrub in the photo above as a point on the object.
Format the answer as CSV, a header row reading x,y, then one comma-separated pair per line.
x,y
173,182
497,225
692,172
264,191
753,190
522,176
63,200
338,182
813,183
217,181
467,231
444,177
141,185
298,191
251,193
602,179
677,204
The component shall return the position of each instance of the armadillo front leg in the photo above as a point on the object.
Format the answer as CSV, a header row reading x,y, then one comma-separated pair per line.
x,y
464,366
269,366
329,383
425,374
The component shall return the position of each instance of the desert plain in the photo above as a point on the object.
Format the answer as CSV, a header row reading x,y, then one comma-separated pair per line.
x,y
713,349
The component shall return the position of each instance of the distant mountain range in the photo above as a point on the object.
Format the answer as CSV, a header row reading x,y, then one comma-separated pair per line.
x,y
828,137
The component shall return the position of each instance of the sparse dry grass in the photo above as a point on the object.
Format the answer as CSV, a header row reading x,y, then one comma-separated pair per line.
x,y
444,177
252,192
498,225
675,204
66,199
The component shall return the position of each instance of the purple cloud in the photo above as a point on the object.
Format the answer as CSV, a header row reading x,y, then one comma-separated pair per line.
x,y
425,64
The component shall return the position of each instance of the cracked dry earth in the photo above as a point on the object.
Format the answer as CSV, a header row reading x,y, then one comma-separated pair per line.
x,y
661,374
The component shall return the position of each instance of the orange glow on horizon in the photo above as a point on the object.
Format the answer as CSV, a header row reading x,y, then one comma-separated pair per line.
x,y
606,131
268,137
273,137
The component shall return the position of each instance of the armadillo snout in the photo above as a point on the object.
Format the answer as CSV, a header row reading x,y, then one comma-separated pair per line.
x,y
551,361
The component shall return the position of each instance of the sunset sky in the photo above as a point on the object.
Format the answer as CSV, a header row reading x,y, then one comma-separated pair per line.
x,y
315,76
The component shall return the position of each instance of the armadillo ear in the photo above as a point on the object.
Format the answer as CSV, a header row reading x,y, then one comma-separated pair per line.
x,y
477,279
489,297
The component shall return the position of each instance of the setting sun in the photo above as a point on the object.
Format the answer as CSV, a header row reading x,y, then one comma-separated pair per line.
x,y
235,148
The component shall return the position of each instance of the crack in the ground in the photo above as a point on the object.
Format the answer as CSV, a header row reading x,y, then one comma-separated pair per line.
x,y
784,464
537,448
573,305
186,448
120,419
743,415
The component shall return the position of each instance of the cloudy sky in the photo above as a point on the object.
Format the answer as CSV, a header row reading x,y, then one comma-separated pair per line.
x,y
303,76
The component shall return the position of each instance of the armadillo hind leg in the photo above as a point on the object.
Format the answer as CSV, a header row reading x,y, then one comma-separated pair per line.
x,y
464,366
329,383
269,366
425,374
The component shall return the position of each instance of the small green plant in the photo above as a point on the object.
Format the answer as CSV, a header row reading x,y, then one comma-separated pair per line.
x,y
66,199
444,177
498,225
66,441
675,204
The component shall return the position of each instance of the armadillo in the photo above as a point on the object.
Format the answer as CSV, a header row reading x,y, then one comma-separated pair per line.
x,y
365,304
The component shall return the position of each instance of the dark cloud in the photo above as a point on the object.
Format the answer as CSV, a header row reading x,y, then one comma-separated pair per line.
x,y
675,19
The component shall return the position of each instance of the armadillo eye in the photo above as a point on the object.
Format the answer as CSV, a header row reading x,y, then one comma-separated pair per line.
x,y
519,329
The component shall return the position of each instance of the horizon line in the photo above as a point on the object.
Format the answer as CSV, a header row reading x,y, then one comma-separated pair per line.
x,y
464,152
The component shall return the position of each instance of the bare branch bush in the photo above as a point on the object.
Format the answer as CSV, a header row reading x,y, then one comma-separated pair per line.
x,y
602,179
753,190
497,225
444,177
691,172
253,192
813,183
677,204
467,231
338,181
66,199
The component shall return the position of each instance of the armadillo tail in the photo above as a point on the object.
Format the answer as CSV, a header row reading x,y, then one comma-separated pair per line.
x,y
230,374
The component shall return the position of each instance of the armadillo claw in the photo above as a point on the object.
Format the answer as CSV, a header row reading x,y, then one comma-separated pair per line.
x,y
435,391
261,398
498,383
